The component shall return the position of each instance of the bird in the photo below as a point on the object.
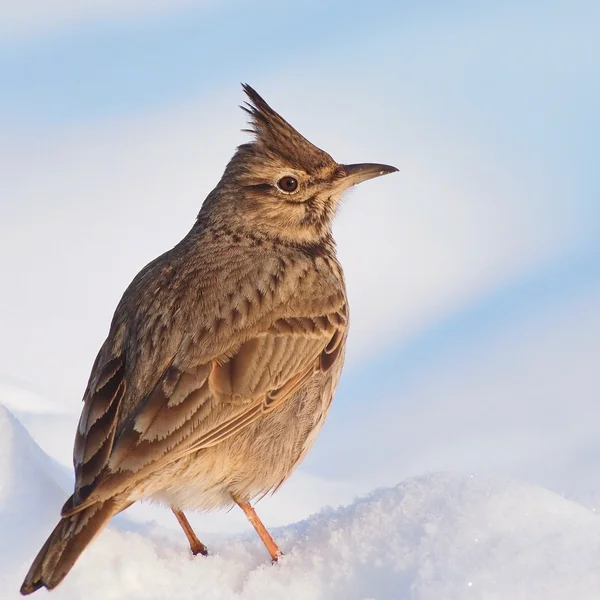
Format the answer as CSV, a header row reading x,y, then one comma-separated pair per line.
x,y
223,354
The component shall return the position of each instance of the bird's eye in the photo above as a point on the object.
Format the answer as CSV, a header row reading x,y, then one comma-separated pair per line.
x,y
288,184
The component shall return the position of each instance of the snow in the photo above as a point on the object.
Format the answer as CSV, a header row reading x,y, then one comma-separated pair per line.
x,y
440,536
30,495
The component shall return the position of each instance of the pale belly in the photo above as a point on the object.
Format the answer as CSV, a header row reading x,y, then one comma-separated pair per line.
x,y
253,462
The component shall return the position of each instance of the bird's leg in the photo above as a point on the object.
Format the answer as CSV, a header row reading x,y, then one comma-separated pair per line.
x,y
196,546
264,535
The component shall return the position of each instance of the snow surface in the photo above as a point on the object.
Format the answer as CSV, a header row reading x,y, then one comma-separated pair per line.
x,y
436,537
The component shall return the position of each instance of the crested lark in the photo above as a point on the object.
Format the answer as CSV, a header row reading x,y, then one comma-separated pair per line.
x,y
223,354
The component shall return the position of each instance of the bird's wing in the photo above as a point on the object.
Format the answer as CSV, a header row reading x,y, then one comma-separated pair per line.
x,y
194,406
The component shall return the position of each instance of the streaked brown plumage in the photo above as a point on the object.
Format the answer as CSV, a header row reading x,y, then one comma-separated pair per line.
x,y
223,354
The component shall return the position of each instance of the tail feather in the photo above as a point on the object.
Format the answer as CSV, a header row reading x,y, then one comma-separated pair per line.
x,y
68,540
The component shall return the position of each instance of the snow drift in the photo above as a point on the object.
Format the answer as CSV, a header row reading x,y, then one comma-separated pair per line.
x,y
30,497
437,537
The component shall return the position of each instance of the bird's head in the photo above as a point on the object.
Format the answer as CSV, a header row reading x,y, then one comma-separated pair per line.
x,y
282,185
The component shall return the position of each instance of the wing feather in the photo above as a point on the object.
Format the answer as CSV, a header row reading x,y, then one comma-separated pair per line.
x,y
194,407
97,426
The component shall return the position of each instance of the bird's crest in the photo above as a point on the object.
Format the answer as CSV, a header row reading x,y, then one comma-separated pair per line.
x,y
273,133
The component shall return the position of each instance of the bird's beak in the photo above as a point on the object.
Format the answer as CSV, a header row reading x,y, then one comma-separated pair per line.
x,y
364,171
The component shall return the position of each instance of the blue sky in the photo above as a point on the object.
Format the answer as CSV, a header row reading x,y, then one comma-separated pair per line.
x,y
117,120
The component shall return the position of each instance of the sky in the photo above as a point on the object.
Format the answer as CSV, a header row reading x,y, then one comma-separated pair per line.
x,y
472,273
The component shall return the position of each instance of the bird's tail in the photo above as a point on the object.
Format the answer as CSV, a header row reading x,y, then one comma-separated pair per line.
x,y
68,540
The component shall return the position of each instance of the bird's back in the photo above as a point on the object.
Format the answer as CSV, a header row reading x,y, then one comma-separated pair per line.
x,y
215,289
